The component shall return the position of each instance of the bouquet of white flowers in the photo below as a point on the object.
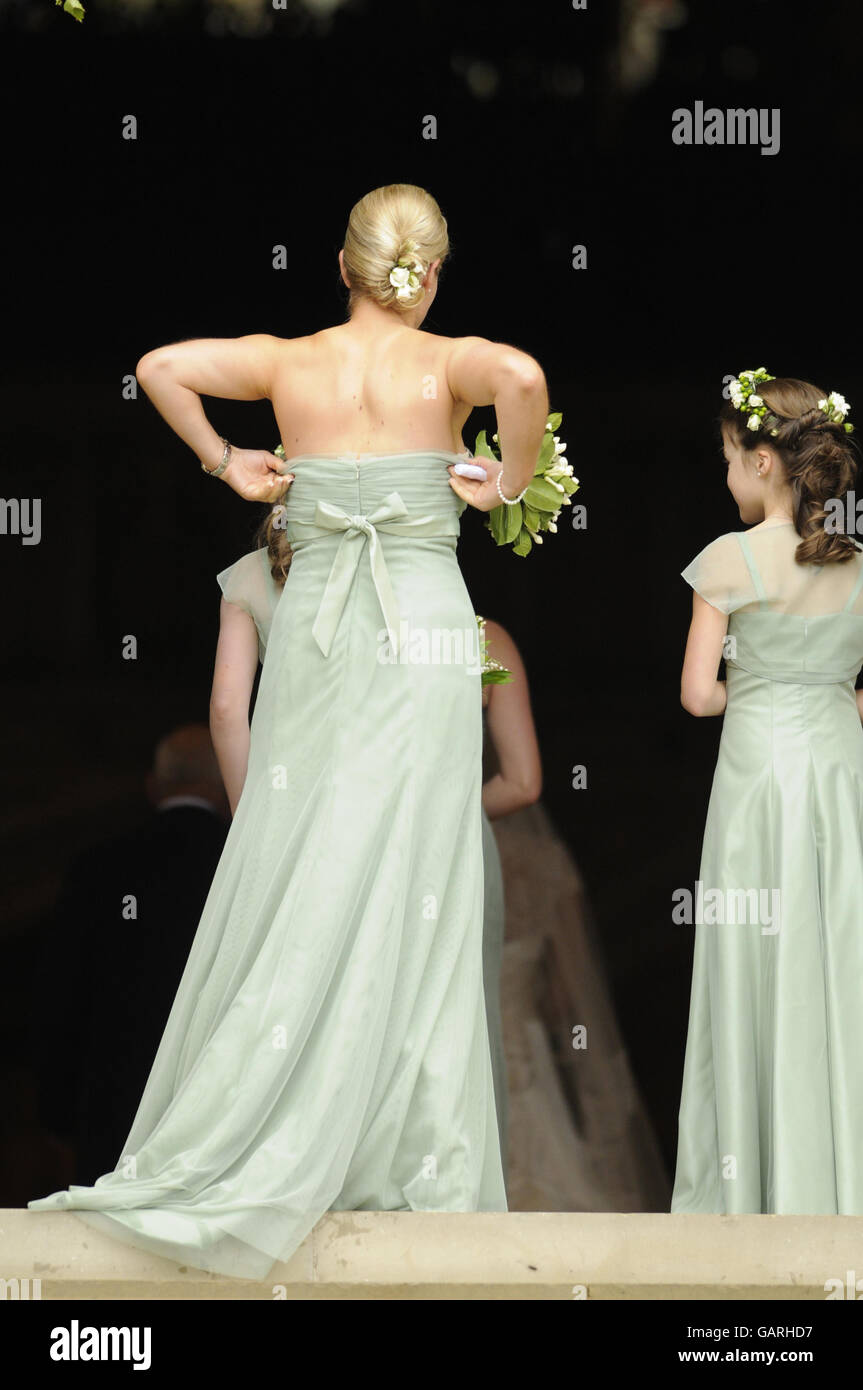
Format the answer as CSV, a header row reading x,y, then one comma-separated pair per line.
x,y
493,672
520,523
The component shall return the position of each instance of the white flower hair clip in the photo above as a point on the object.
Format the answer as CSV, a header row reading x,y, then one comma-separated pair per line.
x,y
835,407
744,397
406,275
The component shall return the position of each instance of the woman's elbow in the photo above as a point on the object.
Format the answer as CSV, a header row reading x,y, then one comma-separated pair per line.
x,y
530,788
225,709
524,375
694,701
148,364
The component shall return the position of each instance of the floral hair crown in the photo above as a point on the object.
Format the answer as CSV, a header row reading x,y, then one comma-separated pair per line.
x,y
406,275
744,396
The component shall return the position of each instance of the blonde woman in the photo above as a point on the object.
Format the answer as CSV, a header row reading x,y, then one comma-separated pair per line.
x,y
327,1047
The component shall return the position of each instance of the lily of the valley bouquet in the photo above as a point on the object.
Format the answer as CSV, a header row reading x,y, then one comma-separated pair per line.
x,y
493,672
520,524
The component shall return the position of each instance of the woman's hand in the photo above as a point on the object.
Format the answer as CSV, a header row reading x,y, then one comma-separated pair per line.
x,y
256,475
482,495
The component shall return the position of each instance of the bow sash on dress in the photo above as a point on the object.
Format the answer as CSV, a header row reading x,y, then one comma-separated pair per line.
x,y
392,516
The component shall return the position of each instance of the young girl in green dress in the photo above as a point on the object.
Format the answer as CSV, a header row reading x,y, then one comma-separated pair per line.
x,y
771,1115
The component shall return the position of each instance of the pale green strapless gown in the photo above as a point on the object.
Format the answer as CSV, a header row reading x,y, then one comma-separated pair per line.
x,y
249,584
328,1046
771,1115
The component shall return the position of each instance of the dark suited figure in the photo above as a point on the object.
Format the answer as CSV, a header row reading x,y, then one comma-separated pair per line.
x,y
125,922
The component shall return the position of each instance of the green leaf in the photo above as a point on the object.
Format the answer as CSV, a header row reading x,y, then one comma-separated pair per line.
x,y
497,522
496,677
524,544
483,448
531,518
542,496
512,521
73,7
554,421
547,451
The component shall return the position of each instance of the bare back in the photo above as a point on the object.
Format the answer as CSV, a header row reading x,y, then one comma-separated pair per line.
x,y
338,391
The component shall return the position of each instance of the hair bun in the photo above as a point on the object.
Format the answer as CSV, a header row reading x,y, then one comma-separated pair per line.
x,y
394,233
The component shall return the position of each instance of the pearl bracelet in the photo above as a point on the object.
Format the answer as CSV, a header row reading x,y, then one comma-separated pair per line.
x,y
510,501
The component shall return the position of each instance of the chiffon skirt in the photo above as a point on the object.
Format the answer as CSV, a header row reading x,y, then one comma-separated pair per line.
x,y
771,1114
327,1047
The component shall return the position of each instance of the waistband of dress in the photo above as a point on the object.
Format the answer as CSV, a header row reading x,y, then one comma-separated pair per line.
x,y
795,677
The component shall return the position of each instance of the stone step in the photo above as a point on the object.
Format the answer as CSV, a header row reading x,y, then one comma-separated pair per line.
x,y
477,1255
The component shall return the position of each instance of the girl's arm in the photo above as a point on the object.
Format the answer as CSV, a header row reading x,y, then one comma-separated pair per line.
x,y
236,369
511,729
700,692
858,695
233,679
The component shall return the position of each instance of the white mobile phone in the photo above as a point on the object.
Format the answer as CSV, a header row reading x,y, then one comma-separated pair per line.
x,y
470,470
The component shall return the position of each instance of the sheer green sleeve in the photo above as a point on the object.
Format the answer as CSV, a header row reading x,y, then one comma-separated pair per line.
x,y
249,584
720,574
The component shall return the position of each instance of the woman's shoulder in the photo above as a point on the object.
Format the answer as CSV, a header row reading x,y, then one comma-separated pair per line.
x,y
472,342
306,345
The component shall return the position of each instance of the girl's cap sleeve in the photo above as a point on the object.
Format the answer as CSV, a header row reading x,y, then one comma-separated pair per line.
x,y
720,574
249,584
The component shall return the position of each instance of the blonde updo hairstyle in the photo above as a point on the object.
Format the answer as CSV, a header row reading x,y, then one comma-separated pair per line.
x,y
818,457
395,220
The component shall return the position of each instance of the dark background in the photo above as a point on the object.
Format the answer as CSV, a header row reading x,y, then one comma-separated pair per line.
x,y
701,262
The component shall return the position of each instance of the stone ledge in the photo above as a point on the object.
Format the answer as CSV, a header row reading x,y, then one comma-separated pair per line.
x,y
479,1255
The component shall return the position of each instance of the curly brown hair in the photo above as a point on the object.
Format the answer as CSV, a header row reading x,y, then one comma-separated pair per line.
x,y
271,533
817,454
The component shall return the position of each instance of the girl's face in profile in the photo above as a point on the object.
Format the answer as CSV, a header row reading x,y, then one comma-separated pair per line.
x,y
744,484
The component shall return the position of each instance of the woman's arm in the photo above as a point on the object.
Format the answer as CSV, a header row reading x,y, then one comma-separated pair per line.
x,y
511,730
237,369
480,372
700,692
233,679
858,695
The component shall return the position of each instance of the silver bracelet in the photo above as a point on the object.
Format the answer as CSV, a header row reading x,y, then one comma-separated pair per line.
x,y
226,457
510,501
